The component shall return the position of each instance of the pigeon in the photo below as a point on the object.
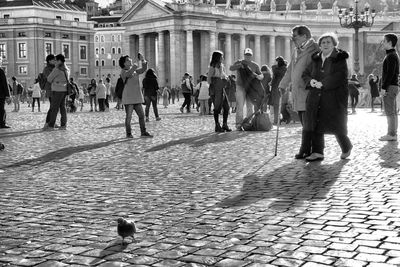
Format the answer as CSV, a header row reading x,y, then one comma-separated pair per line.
x,y
126,229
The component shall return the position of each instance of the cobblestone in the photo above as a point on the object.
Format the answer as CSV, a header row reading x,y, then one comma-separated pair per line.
x,y
198,198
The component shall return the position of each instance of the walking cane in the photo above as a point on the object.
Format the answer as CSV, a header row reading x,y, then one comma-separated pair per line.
x,y
277,129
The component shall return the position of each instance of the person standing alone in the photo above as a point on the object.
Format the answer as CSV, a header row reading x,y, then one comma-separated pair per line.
x,y
390,88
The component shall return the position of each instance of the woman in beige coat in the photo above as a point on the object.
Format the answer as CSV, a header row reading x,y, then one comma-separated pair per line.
x,y
132,97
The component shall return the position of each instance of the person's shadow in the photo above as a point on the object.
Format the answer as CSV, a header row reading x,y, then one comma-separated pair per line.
x,y
390,154
287,187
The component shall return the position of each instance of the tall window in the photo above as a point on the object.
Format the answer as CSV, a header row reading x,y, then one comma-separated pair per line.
x,y
119,50
113,50
113,62
48,48
97,63
22,50
82,54
3,50
102,63
96,38
97,51
102,50
113,38
66,51
102,39
83,70
119,38
23,69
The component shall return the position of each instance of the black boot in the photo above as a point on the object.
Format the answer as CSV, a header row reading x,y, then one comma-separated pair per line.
x,y
226,128
218,128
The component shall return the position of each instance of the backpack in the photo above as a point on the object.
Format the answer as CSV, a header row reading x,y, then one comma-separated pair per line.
x,y
119,87
20,89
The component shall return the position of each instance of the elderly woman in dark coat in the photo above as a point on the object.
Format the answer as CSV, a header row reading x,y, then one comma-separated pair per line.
x,y
326,105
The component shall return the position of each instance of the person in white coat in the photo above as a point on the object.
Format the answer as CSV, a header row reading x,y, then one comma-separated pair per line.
x,y
36,95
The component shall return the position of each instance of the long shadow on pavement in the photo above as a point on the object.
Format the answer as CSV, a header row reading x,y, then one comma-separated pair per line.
x,y
201,140
288,186
64,153
119,125
19,133
390,154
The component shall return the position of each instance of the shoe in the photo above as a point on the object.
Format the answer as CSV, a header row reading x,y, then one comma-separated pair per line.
x,y
226,128
315,157
188,110
129,135
146,134
197,108
63,127
147,119
158,119
239,128
48,128
218,128
388,138
56,126
347,154
91,110
181,109
301,155
5,127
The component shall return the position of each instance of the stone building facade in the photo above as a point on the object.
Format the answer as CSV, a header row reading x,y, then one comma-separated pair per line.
x,y
30,30
108,43
180,37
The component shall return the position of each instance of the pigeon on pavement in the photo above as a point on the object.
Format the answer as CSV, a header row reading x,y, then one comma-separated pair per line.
x,y
126,229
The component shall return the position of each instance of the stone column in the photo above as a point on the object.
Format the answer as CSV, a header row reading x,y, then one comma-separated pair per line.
x,y
350,64
242,44
288,51
189,52
257,48
228,51
142,43
173,59
126,45
213,42
271,49
161,59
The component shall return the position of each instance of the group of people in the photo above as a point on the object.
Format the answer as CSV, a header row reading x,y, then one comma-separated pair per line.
x,y
317,77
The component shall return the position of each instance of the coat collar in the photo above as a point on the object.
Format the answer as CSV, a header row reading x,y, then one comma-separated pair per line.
x,y
336,54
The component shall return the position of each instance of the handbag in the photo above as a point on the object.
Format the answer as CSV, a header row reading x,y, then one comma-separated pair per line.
x,y
70,88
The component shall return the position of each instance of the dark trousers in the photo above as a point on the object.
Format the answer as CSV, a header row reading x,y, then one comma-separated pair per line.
x,y
2,112
354,101
220,102
186,103
58,103
102,104
151,100
301,116
92,99
106,102
139,111
318,143
48,112
38,103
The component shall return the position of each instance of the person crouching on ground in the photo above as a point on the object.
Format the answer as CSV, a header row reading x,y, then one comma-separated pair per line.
x,y
326,79
217,79
132,97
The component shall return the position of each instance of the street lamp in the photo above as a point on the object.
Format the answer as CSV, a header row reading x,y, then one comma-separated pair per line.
x,y
356,20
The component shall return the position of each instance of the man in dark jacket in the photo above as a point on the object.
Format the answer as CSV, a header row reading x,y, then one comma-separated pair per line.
x,y
44,84
4,96
390,88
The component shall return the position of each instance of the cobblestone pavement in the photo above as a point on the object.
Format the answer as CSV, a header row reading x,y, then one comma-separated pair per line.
x,y
198,198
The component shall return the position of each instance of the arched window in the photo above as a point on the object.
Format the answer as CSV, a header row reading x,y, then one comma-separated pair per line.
x,y
96,38
97,63
114,63
97,51
102,63
102,50
119,50
113,38
102,39
113,50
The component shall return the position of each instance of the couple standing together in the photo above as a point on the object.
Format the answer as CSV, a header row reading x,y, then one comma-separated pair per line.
x,y
319,77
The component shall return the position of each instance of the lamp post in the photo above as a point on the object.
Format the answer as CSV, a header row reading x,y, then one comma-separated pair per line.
x,y
356,20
